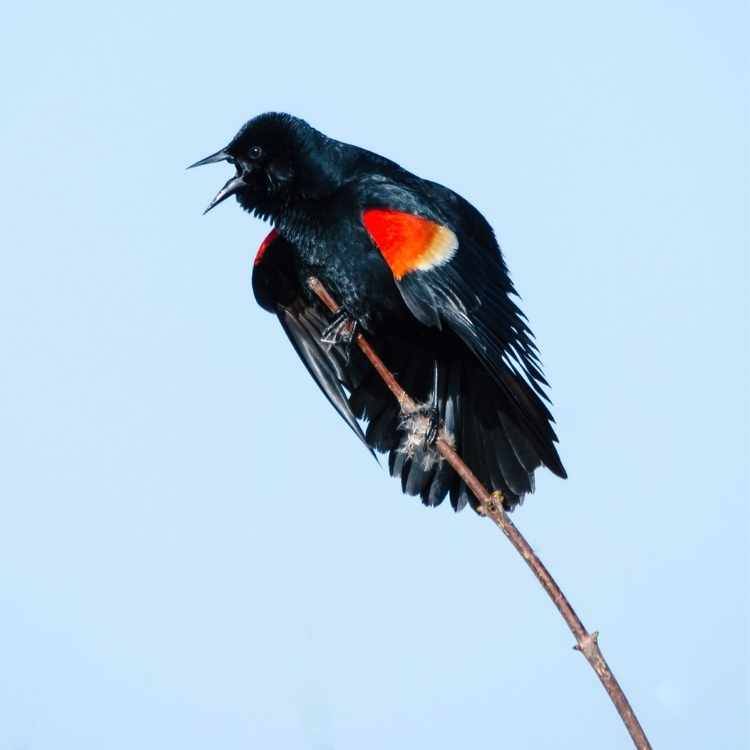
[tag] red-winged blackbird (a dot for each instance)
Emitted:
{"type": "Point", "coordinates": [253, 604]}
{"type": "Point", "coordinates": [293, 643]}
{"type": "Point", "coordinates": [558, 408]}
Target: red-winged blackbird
{"type": "Point", "coordinates": [418, 268]}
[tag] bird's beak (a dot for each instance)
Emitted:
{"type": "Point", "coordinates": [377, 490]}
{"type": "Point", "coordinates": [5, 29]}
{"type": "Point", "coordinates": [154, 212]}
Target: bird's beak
{"type": "Point", "coordinates": [218, 156]}
{"type": "Point", "coordinates": [230, 188]}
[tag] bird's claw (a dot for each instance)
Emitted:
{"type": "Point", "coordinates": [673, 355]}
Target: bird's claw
{"type": "Point", "coordinates": [431, 434]}
{"type": "Point", "coordinates": [341, 330]}
{"type": "Point", "coordinates": [424, 425]}
{"type": "Point", "coordinates": [421, 426]}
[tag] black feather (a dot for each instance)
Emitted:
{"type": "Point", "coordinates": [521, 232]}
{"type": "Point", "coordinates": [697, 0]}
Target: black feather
{"type": "Point", "coordinates": [459, 311]}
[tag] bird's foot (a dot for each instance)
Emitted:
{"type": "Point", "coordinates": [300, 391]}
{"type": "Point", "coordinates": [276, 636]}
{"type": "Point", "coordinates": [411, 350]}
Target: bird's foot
{"type": "Point", "coordinates": [422, 427]}
{"type": "Point", "coordinates": [341, 330]}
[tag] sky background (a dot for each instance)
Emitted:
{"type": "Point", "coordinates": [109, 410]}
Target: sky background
{"type": "Point", "coordinates": [195, 552]}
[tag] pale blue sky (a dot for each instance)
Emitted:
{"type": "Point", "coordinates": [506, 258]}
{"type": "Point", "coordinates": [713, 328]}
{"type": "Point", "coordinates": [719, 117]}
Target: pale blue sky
{"type": "Point", "coordinates": [195, 552]}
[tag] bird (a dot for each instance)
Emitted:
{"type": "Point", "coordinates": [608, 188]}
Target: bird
{"type": "Point", "coordinates": [417, 269]}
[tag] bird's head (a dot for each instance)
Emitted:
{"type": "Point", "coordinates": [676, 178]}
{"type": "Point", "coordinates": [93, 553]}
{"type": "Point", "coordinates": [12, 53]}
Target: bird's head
{"type": "Point", "coordinates": [280, 160]}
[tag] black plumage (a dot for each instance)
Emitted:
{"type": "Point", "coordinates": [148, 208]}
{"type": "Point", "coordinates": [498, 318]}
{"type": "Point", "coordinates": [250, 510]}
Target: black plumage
{"type": "Point", "coordinates": [419, 270]}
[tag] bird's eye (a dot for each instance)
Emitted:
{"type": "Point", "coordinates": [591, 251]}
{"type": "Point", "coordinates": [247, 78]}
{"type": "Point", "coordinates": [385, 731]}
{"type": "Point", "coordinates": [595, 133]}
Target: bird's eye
{"type": "Point", "coordinates": [255, 152]}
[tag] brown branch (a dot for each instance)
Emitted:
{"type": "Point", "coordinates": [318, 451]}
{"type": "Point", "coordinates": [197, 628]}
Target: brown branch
{"type": "Point", "coordinates": [490, 505]}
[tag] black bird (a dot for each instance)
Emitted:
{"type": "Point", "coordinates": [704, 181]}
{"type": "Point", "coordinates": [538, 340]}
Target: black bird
{"type": "Point", "coordinates": [419, 270]}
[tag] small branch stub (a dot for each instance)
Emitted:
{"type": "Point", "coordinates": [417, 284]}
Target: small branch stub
{"type": "Point", "coordinates": [588, 644]}
{"type": "Point", "coordinates": [491, 506]}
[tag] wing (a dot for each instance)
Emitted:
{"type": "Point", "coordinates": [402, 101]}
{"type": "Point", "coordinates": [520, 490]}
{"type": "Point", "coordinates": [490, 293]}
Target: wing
{"type": "Point", "coordinates": [450, 272]}
{"type": "Point", "coordinates": [277, 290]}
{"type": "Point", "coordinates": [304, 327]}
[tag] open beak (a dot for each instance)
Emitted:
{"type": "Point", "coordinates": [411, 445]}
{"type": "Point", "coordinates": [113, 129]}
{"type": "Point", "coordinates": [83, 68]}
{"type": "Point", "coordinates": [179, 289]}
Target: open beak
{"type": "Point", "coordinates": [218, 156]}
{"type": "Point", "coordinates": [231, 187]}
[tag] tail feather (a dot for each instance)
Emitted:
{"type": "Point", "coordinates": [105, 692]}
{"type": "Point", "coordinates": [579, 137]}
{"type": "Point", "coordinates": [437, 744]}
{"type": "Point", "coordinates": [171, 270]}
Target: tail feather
{"type": "Point", "coordinates": [382, 432]}
{"type": "Point", "coordinates": [445, 478]}
{"type": "Point", "coordinates": [507, 467]}
{"type": "Point", "coordinates": [521, 446]}
{"type": "Point", "coordinates": [478, 415]}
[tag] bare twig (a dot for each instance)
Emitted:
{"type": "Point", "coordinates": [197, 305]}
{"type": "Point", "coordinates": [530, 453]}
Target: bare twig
{"type": "Point", "coordinates": [490, 505]}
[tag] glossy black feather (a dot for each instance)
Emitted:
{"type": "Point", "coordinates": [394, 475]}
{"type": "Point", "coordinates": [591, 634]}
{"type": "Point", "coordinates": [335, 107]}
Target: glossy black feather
{"type": "Point", "coordinates": [276, 289]}
{"type": "Point", "coordinates": [460, 314]}
{"type": "Point", "coordinates": [320, 363]}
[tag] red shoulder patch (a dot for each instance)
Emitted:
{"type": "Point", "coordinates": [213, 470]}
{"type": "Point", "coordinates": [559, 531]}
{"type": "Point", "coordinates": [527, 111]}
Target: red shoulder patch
{"type": "Point", "coordinates": [408, 242]}
{"type": "Point", "coordinates": [267, 242]}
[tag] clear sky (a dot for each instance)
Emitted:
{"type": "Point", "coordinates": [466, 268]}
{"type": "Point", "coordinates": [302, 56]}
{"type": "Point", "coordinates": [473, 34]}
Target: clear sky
{"type": "Point", "coordinates": [195, 552]}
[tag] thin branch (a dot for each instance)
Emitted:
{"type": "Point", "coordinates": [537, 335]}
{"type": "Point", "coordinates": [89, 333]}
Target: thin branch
{"type": "Point", "coordinates": [490, 505]}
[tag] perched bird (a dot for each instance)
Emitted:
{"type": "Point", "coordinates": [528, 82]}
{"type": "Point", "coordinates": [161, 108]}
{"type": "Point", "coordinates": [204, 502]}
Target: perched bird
{"type": "Point", "coordinates": [417, 269]}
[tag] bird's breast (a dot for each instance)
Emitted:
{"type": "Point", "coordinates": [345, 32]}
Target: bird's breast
{"type": "Point", "coordinates": [347, 262]}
